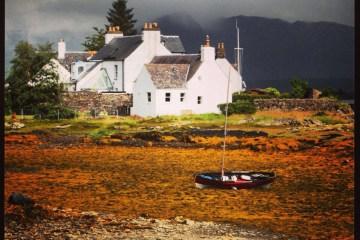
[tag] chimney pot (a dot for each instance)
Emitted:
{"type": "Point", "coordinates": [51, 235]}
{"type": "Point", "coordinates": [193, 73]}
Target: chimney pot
{"type": "Point", "coordinates": [207, 41]}
{"type": "Point", "coordinates": [220, 51]}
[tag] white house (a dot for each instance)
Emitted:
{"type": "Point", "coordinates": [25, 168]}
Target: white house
{"type": "Point", "coordinates": [185, 83]}
{"type": "Point", "coordinates": [116, 66]}
{"type": "Point", "coordinates": [64, 61]}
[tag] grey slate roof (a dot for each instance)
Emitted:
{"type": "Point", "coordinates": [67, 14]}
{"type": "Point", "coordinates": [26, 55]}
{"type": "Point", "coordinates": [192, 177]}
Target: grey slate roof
{"type": "Point", "coordinates": [173, 43]}
{"type": "Point", "coordinates": [71, 57]}
{"type": "Point", "coordinates": [118, 48]}
{"type": "Point", "coordinates": [166, 76]}
{"type": "Point", "coordinates": [191, 59]}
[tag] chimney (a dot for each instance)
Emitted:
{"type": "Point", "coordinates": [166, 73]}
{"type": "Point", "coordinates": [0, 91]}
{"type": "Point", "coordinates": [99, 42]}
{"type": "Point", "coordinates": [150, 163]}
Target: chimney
{"type": "Point", "coordinates": [207, 52]}
{"type": "Point", "coordinates": [61, 49]}
{"type": "Point", "coordinates": [220, 50]}
{"type": "Point", "coordinates": [113, 32]}
{"type": "Point", "coordinates": [151, 38]}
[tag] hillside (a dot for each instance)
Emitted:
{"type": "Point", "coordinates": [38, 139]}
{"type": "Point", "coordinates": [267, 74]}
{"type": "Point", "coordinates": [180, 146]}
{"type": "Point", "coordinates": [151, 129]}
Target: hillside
{"type": "Point", "coordinates": [276, 50]}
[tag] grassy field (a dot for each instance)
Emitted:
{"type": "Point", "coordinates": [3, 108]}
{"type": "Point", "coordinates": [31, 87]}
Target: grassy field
{"type": "Point", "coordinates": [312, 197]}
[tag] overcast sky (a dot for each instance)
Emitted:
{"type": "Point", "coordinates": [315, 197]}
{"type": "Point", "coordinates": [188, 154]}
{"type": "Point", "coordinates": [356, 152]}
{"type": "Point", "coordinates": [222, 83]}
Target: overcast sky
{"type": "Point", "coordinates": [41, 20]}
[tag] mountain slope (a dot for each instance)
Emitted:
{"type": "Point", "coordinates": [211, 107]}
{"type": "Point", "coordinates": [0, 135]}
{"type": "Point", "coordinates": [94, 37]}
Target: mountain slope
{"type": "Point", "coordinates": [276, 50]}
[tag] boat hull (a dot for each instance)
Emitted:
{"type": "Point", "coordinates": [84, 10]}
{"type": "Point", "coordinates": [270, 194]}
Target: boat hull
{"type": "Point", "coordinates": [234, 180]}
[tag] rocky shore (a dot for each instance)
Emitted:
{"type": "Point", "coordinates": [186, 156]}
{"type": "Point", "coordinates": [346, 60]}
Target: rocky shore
{"type": "Point", "coordinates": [54, 223]}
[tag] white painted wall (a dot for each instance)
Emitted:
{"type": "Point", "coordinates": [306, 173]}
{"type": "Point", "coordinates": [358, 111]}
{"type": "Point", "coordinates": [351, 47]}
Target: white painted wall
{"type": "Point", "coordinates": [142, 86]}
{"type": "Point", "coordinates": [115, 79]}
{"type": "Point", "coordinates": [110, 36]}
{"type": "Point", "coordinates": [142, 55]}
{"type": "Point", "coordinates": [235, 78]}
{"type": "Point", "coordinates": [92, 80]}
{"type": "Point", "coordinates": [210, 83]}
{"type": "Point", "coordinates": [64, 74]}
{"type": "Point", "coordinates": [175, 106]}
{"type": "Point", "coordinates": [75, 74]}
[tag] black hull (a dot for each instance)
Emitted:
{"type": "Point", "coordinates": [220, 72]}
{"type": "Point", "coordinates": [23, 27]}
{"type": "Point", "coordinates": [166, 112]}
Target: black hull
{"type": "Point", "coordinates": [234, 179]}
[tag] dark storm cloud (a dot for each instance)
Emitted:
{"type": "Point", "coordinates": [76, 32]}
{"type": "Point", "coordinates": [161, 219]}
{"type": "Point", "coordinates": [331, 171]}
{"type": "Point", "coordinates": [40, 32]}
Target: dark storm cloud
{"type": "Point", "coordinates": [36, 20]}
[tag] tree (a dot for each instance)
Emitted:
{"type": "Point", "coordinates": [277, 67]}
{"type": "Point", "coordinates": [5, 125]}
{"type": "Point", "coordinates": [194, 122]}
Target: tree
{"type": "Point", "coordinates": [32, 79]}
{"type": "Point", "coordinates": [96, 41]}
{"type": "Point", "coordinates": [122, 16]}
{"type": "Point", "coordinates": [299, 88]}
{"type": "Point", "coordinates": [330, 93]}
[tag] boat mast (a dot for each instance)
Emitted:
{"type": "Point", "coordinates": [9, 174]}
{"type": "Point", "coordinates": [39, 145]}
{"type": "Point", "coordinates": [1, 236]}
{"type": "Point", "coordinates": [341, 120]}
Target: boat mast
{"type": "Point", "coordinates": [225, 124]}
{"type": "Point", "coordinates": [238, 49]}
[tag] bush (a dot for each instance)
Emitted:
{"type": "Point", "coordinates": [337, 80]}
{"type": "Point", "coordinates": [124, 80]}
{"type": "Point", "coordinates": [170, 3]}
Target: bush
{"type": "Point", "coordinates": [330, 93]}
{"type": "Point", "coordinates": [243, 96]}
{"type": "Point", "coordinates": [285, 95]}
{"type": "Point", "coordinates": [51, 112]}
{"type": "Point", "coordinates": [273, 92]}
{"type": "Point", "coordinates": [299, 88]}
{"type": "Point", "coordinates": [238, 107]}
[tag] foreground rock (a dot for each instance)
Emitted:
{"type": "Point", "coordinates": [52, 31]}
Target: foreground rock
{"type": "Point", "coordinates": [68, 224]}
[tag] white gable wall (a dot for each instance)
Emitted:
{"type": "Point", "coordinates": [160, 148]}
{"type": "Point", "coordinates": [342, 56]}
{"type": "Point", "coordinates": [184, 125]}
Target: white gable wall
{"type": "Point", "coordinates": [135, 62]}
{"type": "Point", "coordinates": [235, 78]}
{"type": "Point", "coordinates": [141, 105]}
{"type": "Point", "coordinates": [211, 85]}
{"type": "Point", "coordinates": [64, 74]}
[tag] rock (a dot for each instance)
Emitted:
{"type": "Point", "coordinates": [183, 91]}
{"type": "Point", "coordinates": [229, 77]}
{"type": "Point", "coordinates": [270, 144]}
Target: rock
{"type": "Point", "coordinates": [180, 219]}
{"type": "Point", "coordinates": [19, 199]}
{"type": "Point", "coordinates": [17, 125]}
{"type": "Point", "coordinates": [90, 214]}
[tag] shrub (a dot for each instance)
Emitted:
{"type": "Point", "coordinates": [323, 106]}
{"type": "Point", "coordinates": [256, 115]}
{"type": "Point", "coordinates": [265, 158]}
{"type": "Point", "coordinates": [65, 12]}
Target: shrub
{"type": "Point", "coordinates": [238, 107]}
{"type": "Point", "coordinates": [299, 88]}
{"type": "Point", "coordinates": [52, 112]}
{"type": "Point", "coordinates": [273, 92]}
{"type": "Point", "coordinates": [244, 96]}
{"type": "Point", "coordinates": [330, 93]}
{"type": "Point", "coordinates": [285, 95]}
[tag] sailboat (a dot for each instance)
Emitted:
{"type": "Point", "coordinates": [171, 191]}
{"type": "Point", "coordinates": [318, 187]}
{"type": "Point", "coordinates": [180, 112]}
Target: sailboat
{"type": "Point", "coordinates": [233, 179]}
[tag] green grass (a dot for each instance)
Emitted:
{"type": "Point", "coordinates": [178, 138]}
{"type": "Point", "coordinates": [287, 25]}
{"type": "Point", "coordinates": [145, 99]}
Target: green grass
{"type": "Point", "coordinates": [325, 119]}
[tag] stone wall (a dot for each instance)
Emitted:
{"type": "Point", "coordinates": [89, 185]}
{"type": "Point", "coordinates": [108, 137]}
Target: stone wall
{"type": "Point", "coordinates": [302, 105]}
{"type": "Point", "coordinates": [105, 101]}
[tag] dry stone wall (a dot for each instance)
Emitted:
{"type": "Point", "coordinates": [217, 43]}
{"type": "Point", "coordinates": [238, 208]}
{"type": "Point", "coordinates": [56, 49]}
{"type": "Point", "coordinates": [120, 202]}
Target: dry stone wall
{"type": "Point", "coordinates": [302, 105]}
{"type": "Point", "coordinates": [89, 100]}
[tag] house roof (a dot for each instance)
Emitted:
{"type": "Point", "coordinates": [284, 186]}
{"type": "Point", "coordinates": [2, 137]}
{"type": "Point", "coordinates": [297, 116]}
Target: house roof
{"type": "Point", "coordinates": [166, 76]}
{"type": "Point", "coordinates": [173, 43]}
{"type": "Point", "coordinates": [120, 48]}
{"type": "Point", "coordinates": [71, 57]}
{"type": "Point", "coordinates": [191, 59]}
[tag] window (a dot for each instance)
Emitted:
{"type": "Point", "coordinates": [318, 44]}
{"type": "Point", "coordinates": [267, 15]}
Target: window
{"type": "Point", "coordinates": [199, 99]}
{"type": "Point", "coordinates": [182, 96]}
{"type": "Point", "coordinates": [116, 72]}
{"type": "Point", "coordinates": [167, 97]}
{"type": "Point", "coordinates": [80, 70]}
{"type": "Point", "coordinates": [149, 96]}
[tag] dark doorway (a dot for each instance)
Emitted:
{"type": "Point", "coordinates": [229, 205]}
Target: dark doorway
{"type": "Point", "coordinates": [124, 111]}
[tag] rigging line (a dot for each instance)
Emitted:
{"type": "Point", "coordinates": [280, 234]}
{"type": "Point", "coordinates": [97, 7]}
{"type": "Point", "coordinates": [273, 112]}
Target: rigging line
{"type": "Point", "coordinates": [225, 124]}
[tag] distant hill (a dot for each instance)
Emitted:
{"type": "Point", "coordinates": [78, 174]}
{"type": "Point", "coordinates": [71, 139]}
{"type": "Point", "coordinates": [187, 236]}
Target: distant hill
{"type": "Point", "coordinates": [276, 50]}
